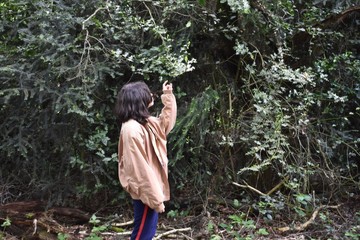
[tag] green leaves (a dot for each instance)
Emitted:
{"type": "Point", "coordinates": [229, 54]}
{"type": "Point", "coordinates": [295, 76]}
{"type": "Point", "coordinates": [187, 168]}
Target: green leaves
{"type": "Point", "coordinates": [160, 53]}
{"type": "Point", "coordinates": [194, 120]}
{"type": "Point", "coordinates": [270, 90]}
{"type": "Point", "coordinates": [62, 64]}
{"type": "Point", "coordinates": [6, 223]}
{"type": "Point", "coordinates": [242, 6]}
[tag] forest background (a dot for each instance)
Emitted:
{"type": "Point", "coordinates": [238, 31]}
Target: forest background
{"type": "Point", "coordinates": [268, 93]}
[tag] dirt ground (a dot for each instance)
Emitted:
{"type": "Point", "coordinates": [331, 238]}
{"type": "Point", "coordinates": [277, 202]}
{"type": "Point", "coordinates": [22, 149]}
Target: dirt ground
{"type": "Point", "coordinates": [29, 220]}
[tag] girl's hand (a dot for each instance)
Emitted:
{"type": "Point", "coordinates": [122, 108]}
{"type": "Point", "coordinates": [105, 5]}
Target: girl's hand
{"type": "Point", "coordinates": [167, 86]}
{"type": "Point", "coordinates": [160, 208]}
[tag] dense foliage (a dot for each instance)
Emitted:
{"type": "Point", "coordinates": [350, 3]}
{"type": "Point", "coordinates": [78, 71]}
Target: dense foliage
{"type": "Point", "coordinates": [268, 95]}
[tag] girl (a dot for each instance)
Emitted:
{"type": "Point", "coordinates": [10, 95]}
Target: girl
{"type": "Point", "coordinates": [143, 162]}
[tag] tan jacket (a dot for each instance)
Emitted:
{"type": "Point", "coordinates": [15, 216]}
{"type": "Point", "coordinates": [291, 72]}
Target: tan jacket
{"type": "Point", "coordinates": [143, 162]}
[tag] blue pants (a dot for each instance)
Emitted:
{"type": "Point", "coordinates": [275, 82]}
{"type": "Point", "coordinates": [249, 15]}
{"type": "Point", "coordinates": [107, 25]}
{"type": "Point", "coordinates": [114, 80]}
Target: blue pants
{"type": "Point", "coordinates": [145, 221]}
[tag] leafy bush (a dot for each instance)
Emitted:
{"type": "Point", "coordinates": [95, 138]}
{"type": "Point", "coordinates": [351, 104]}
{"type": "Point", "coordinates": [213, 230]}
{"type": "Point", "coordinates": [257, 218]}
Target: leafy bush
{"type": "Point", "coordinates": [268, 94]}
{"type": "Point", "coordinates": [62, 64]}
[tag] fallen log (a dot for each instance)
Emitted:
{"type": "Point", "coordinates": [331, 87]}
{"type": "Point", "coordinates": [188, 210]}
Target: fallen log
{"type": "Point", "coordinates": [25, 206]}
{"type": "Point", "coordinates": [32, 208]}
{"type": "Point", "coordinates": [32, 218]}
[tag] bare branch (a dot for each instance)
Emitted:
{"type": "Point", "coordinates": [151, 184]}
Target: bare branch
{"type": "Point", "coordinates": [249, 187]}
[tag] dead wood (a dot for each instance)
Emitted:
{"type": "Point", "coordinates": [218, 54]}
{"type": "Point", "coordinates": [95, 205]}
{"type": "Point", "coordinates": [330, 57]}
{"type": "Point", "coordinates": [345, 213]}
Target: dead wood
{"type": "Point", "coordinates": [123, 224]}
{"type": "Point", "coordinates": [249, 187]}
{"type": "Point", "coordinates": [306, 224]}
{"type": "Point", "coordinates": [127, 233]}
{"type": "Point", "coordinates": [16, 207]}
{"type": "Point", "coordinates": [71, 212]}
{"type": "Point", "coordinates": [37, 207]}
{"type": "Point", "coordinates": [172, 232]}
{"type": "Point", "coordinates": [32, 218]}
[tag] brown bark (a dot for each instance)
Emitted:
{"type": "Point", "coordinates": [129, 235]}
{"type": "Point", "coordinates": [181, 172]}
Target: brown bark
{"type": "Point", "coordinates": [337, 19]}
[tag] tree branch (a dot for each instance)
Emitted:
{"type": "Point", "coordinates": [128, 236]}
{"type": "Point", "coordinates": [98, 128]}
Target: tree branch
{"type": "Point", "coordinates": [249, 187]}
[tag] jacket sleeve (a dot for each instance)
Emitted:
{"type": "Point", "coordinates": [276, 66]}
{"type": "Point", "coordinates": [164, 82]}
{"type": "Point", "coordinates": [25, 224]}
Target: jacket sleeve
{"type": "Point", "coordinates": [169, 111]}
{"type": "Point", "coordinates": [135, 173]}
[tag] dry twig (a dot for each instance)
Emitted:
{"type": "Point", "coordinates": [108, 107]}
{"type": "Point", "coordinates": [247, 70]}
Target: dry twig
{"type": "Point", "coordinates": [123, 224]}
{"type": "Point", "coordinates": [116, 234]}
{"type": "Point", "coordinates": [171, 232]}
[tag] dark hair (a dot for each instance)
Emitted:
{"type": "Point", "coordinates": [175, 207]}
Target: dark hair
{"type": "Point", "coordinates": [132, 102]}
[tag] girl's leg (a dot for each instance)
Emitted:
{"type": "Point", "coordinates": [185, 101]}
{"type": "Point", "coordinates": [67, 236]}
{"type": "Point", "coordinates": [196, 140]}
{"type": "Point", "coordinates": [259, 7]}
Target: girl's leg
{"type": "Point", "coordinates": [145, 221]}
